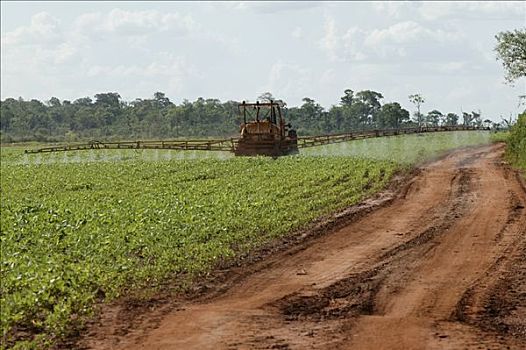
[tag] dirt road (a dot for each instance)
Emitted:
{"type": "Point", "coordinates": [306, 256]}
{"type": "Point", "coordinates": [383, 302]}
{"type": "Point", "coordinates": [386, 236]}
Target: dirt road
{"type": "Point", "coordinates": [440, 266]}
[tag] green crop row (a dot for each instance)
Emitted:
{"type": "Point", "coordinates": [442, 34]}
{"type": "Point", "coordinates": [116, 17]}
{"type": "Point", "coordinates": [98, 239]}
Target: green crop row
{"type": "Point", "coordinates": [72, 233]}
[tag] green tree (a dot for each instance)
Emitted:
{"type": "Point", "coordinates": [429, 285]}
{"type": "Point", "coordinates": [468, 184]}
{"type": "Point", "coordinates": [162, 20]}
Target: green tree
{"type": "Point", "coordinates": [347, 98]}
{"type": "Point", "coordinates": [312, 114]}
{"type": "Point", "coordinates": [54, 102]}
{"type": "Point", "coordinates": [7, 115]}
{"type": "Point", "coordinates": [354, 116]}
{"type": "Point", "coordinates": [266, 97]}
{"type": "Point", "coordinates": [451, 119]}
{"type": "Point", "coordinates": [417, 100]}
{"type": "Point", "coordinates": [511, 50]}
{"type": "Point", "coordinates": [477, 118]}
{"type": "Point", "coordinates": [108, 99]}
{"type": "Point", "coordinates": [335, 116]}
{"type": "Point", "coordinates": [467, 118]}
{"type": "Point", "coordinates": [487, 123]}
{"type": "Point", "coordinates": [434, 117]}
{"type": "Point", "coordinates": [393, 115]}
{"type": "Point", "coordinates": [472, 119]}
{"type": "Point", "coordinates": [83, 101]}
{"type": "Point", "coordinates": [370, 106]}
{"type": "Point", "coordinates": [161, 100]}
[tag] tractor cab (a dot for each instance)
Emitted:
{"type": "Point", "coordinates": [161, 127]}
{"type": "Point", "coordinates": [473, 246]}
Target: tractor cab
{"type": "Point", "coordinates": [264, 132]}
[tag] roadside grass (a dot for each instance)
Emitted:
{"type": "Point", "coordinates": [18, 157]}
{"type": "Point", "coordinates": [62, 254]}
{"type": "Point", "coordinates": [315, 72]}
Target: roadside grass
{"type": "Point", "coordinates": [500, 136]}
{"type": "Point", "coordinates": [516, 141]}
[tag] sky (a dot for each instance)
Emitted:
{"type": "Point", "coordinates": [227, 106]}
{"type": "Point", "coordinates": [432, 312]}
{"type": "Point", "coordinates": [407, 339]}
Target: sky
{"type": "Point", "coordinates": [238, 50]}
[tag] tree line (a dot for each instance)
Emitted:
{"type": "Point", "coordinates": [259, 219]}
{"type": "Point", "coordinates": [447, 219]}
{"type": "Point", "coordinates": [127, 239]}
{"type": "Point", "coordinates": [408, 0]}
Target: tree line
{"type": "Point", "coordinates": [107, 117]}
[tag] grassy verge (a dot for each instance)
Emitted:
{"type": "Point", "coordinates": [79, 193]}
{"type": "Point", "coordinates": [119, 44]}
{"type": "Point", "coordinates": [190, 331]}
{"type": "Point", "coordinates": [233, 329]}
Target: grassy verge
{"type": "Point", "coordinates": [516, 150]}
{"type": "Point", "coordinates": [500, 136]}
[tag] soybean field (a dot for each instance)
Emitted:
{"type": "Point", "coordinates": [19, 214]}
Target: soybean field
{"type": "Point", "coordinates": [88, 227]}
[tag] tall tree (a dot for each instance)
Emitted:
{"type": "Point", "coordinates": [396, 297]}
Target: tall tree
{"type": "Point", "coordinates": [477, 118]}
{"type": "Point", "coordinates": [347, 98]}
{"type": "Point", "coordinates": [511, 50]}
{"type": "Point", "coordinates": [472, 119]}
{"type": "Point", "coordinates": [417, 100]}
{"type": "Point", "coordinates": [108, 99]}
{"type": "Point", "coordinates": [266, 97]}
{"type": "Point", "coordinates": [451, 119]}
{"type": "Point", "coordinates": [54, 102]}
{"type": "Point", "coordinates": [392, 115]}
{"type": "Point", "coordinates": [346, 117]}
{"type": "Point", "coordinates": [370, 105]}
{"type": "Point", "coordinates": [83, 101]}
{"type": "Point", "coordinates": [434, 117]}
{"type": "Point", "coordinates": [161, 100]}
{"type": "Point", "coordinates": [312, 114]}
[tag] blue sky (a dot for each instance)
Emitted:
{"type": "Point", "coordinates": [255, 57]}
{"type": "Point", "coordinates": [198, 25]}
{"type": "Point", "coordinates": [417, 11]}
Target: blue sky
{"type": "Point", "coordinates": [237, 50]}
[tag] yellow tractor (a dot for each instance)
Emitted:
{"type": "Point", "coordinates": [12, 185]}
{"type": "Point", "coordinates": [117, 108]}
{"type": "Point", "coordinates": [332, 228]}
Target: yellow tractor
{"type": "Point", "coordinates": [267, 134]}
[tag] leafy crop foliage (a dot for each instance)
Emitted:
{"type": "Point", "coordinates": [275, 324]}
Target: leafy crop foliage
{"type": "Point", "coordinates": [75, 232]}
{"type": "Point", "coordinates": [82, 227]}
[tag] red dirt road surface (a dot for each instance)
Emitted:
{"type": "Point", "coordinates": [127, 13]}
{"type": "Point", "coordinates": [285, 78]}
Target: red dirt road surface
{"type": "Point", "coordinates": [440, 264]}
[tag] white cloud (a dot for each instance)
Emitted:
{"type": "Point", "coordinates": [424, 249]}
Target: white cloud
{"type": "Point", "coordinates": [451, 67]}
{"type": "Point", "coordinates": [477, 10]}
{"type": "Point", "coordinates": [460, 10]}
{"type": "Point", "coordinates": [331, 42]}
{"type": "Point", "coordinates": [394, 9]}
{"type": "Point", "coordinates": [353, 41]}
{"type": "Point", "coordinates": [287, 79]}
{"type": "Point", "coordinates": [54, 43]}
{"type": "Point", "coordinates": [135, 23]}
{"type": "Point", "coordinates": [37, 47]}
{"type": "Point", "coordinates": [409, 38]}
{"type": "Point", "coordinates": [297, 33]}
{"type": "Point", "coordinates": [165, 67]}
{"type": "Point", "coordinates": [140, 27]}
{"type": "Point", "coordinates": [406, 33]}
{"type": "Point", "coordinates": [271, 7]}
{"type": "Point", "coordinates": [49, 52]}
{"type": "Point", "coordinates": [169, 66]}
{"type": "Point", "coordinates": [43, 28]}
{"type": "Point", "coordinates": [406, 39]}
{"type": "Point", "coordinates": [46, 42]}
{"type": "Point", "coordinates": [328, 76]}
